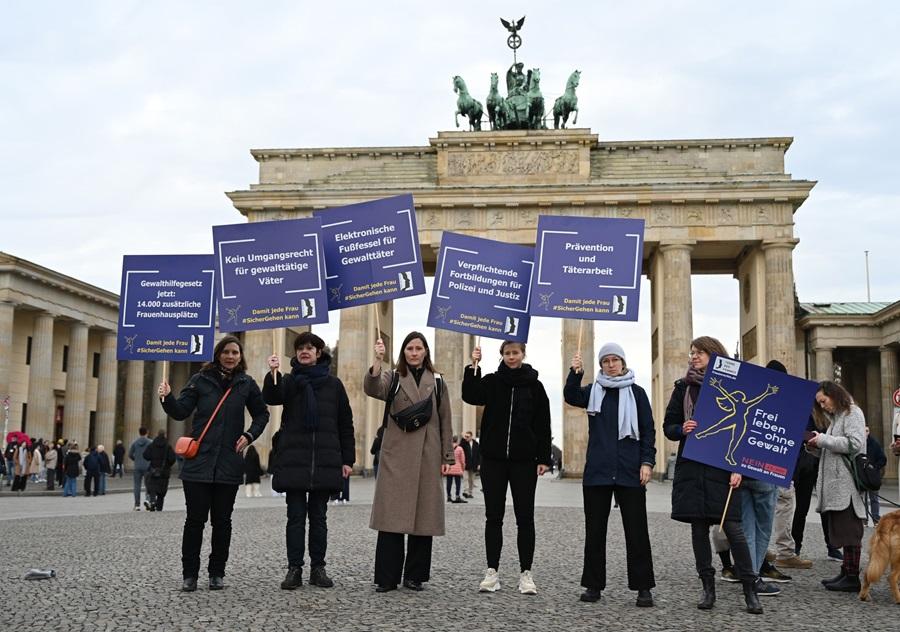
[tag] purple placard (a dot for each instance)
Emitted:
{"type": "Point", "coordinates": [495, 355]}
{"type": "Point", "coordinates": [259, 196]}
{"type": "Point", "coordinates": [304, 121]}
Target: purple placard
{"type": "Point", "coordinates": [371, 252]}
{"type": "Point", "coordinates": [750, 420]}
{"type": "Point", "coordinates": [167, 308]}
{"type": "Point", "coordinates": [588, 267]}
{"type": "Point", "coordinates": [482, 287]}
{"type": "Point", "coordinates": [270, 274]}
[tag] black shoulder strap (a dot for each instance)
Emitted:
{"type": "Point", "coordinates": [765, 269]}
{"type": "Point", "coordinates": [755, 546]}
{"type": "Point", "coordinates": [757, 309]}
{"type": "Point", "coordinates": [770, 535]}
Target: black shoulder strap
{"type": "Point", "coordinates": [438, 388]}
{"type": "Point", "coordinates": [392, 392]}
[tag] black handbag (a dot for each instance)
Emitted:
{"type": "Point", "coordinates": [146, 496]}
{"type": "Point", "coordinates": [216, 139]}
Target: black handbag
{"type": "Point", "coordinates": [866, 476]}
{"type": "Point", "coordinates": [415, 416]}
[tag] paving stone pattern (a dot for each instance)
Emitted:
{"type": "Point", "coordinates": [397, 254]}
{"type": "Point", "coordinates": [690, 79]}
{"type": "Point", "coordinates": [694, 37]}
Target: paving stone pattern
{"type": "Point", "coordinates": [121, 571]}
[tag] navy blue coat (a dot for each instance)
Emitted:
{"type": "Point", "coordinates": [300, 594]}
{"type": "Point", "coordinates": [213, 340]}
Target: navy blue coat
{"type": "Point", "coordinates": [217, 461]}
{"type": "Point", "coordinates": [610, 460]}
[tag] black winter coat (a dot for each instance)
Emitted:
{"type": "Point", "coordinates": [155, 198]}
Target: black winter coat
{"type": "Point", "coordinates": [473, 454]}
{"type": "Point", "coordinates": [303, 460]}
{"type": "Point", "coordinates": [699, 491]}
{"type": "Point", "coordinates": [610, 460]}
{"type": "Point", "coordinates": [252, 469]}
{"type": "Point", "coordinates": [72, 463]}
{"type": "Point", "coordinates": [217, 461]}
{"type": "Point", "coordinates": [523, 436]}
{"type": "Point", "coordinates": [161, 457]}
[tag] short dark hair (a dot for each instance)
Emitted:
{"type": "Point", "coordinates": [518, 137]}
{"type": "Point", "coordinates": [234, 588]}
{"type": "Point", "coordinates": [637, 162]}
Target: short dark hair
{"type": "Point", "coordinates": [506, 343]}
{"type": "Point", "coordinates": [309, 338]}
{"type": "Point", "coordinates": [402, 367]}
{"type": "Point", "coordinates": [142, 431]}
{"type": "Point", "coordinates": [161, 434]}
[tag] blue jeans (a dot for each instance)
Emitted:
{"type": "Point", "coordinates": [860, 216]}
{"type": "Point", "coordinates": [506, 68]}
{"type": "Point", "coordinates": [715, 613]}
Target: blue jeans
{"type": "Point", "coordinates": [10, 468]}
{"type": "Point", "coordinates": [757, 516]}
{"type": "Point", "coordinates": [875, 507]}
{"type": "Point", "coordinates": [138, 481]}
{"type": "Point", "coordinates": [101, 484]}
{"type": "Point", "coordinates": [70, 486]}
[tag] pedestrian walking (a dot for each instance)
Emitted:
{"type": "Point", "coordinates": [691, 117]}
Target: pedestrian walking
{"type": "Point", "coordinates": [454, 474]}
{"type": "Point", "coordinates": [139, 471]}
{"type": "Point", "coordinates": [119, 458]}
{"type": "Point", "coordinates": [472, 450]}
{"type": "Point", "coordinates": [161, 457]}
{"type": "Point", "coordinates": [515, 450]}
{"type": "Point", "coordinates": [415, 451]}
{"type": "Point", "coordinates": [621, 454]}
{"type": "Point", "coordinates": [219, 393]}
{"type": "Point", "coordinates": [313, 452]}
{"type": "Point", "coordinates": [699, 491]}
{"type": "Point", "coordinates": [252, 472]}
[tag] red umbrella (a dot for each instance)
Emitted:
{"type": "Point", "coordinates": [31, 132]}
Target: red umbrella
{"type": "Point", "coordinates": [18, 436]}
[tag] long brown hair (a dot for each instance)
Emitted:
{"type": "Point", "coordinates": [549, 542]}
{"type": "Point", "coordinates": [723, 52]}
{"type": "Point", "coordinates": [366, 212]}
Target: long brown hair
{"type": "Point", "coordinates": [402, 366]}
{"type": "Point", "coordinates": [709, 345]}
{"type": "Point", "coordinates": [838, 395]}
{"type": "Point", "coordinates": [241, 366]}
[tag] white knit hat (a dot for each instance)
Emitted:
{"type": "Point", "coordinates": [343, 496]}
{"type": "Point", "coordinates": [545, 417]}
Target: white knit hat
{"type": "Point", "coordinates": [611, 348]}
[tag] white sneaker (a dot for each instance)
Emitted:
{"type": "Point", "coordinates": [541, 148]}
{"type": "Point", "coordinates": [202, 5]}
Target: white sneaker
{"type": "Point", "coordinates": [491, 581]}
{"type": "Point", "coordinates": [526, 584]}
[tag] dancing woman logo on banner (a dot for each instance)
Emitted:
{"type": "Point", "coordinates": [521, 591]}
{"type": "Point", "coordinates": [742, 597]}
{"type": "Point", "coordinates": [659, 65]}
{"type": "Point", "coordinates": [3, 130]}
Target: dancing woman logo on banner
{"type": "Point", "coordinates": [750, 420]}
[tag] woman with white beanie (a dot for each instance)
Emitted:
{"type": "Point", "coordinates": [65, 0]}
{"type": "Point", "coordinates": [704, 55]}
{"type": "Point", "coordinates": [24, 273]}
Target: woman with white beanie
{"type": "Point", "coordinates": [620, 458]}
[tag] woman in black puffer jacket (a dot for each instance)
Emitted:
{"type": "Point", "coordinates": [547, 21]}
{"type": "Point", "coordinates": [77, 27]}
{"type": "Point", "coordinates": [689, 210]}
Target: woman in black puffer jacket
{"type": "Point", "coordinates": [515, 450]}
{"type": "Point", "coordinates": [312, 452]}
{"type": "Point", "coordinates": [211, 479]}
{"type": "Point", "coordinates": [699, 491]}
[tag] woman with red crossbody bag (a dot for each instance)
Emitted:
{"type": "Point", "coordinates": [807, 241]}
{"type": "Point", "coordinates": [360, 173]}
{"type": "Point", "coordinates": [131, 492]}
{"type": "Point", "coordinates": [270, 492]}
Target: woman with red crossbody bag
{"type": "Point", "coordinates": [217, 396]}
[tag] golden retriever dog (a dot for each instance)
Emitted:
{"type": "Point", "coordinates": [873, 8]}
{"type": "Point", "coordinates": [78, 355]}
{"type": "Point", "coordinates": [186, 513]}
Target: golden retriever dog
{"type": "Point", "coordinates": [884, 549]}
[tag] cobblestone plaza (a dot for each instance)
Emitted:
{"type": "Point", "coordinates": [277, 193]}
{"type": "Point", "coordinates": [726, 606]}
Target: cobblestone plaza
{"type": "Point", "coordinates": [120, 570]}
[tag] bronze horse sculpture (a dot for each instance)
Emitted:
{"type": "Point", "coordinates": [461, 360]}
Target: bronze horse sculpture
{"type": "Point", "coordinates": [567, 103]}
{"type": "Point", "coordinates": [496, 105]}
{"type": "Point", "coordinates": [466, 105]}
{"type": "Point", "coordinates": [535, 101]}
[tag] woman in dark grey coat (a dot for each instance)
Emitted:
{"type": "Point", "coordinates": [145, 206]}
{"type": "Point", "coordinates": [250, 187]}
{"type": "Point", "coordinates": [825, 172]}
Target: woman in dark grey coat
{"type": "Point", "coordinates": [699, 491]}
{"type": "Point", "coordinates": [312, 453]}
{"type": "Point", "coordinates": [211, 479]}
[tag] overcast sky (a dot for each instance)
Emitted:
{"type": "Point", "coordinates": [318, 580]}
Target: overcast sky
{"type": "Point", "coordinates": [123, 123]}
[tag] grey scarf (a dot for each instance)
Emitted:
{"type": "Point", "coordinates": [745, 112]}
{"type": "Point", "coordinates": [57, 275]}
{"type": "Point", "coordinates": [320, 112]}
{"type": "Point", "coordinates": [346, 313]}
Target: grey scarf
{"type": "Point", "coordinates": [628, 417]}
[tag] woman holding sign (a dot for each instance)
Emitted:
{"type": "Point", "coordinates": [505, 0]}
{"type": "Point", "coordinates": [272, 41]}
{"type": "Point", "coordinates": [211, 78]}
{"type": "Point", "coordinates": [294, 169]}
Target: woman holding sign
{"type": "Point", "coordinates": [841, 431]}
{"type": "Point", "coordinates": [700, 492]}
{"type": "Point", "coordinates": [515, 450]}
{"type": "Point", "coordinates": [621, 454]}
{"type": "Point", "coordinates": [218, 394]}
{"type": "Point", "coordinates": [416, 451]}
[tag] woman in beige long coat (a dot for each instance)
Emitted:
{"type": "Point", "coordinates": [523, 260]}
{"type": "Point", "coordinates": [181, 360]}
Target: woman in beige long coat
{"type": "Point", "coordinates": [408, 497]}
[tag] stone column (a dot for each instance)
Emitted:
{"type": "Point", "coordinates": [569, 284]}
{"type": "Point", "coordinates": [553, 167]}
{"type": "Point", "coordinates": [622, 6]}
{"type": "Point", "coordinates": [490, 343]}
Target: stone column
{"type": "Point", "coordinates": [780, 334]}
{"type": "Point", "coordinates": [470, 413]}
{"type": "Point", "coordinates": [158, 417]}
{"type": "Point", "coordinates": [134, 399]}
{"type": "Point", "coordinates": [890, 380]}
{"type": "Point", "coordinates": [106, 391]}
{"type": "Point", "coordinates": [76, 420]}
{"type": "Point", "coordinates": [449, 346]}
{"type": "Point", "coordinates": [40, 388]}
{"type": "Point", "coordinates": [575, 427]}
{"type": "Point", "coordinates": [824, 363]}
{"type": "Point", "coordinates": [7, 315]}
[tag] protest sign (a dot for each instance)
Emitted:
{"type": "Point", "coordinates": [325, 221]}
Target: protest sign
{"type": "Point", "coordinates": [371, 252]}
{"type": "Point", "coordinates": [166, 308]}
{"type": "Point", "coordinates": [270, 274]}
{"type": "Point", "coordinates": [482, 287]}
{"type": "Point", "coordinates": [588, 267]}
{"type": "Point", "coordinates": [750, 420]}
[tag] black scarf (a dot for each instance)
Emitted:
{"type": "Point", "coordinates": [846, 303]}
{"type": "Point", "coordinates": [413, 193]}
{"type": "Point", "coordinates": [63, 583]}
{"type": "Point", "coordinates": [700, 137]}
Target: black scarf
{"type": "Point", "coordinates": [519, 382]}
{"type": "Point", "coordinates": [417, 372]}
{"type": "Point", "coordinates": [694, 379]}
{"type": "Point", "coordinates": [310, 378]}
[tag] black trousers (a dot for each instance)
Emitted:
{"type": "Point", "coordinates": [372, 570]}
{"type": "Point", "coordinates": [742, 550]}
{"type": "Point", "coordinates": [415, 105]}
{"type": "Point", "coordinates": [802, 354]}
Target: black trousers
{"type": "Point", "coordinates": [202, 500]}
{"type": "Point", "coordinates": [803, 491]}
{"type": "Point", "coordinates": [521, 478]}
{"type": "Point", "coordinates": [737, 541]}
{"type": "Point", "coordinates": [450, 480]}
{"type": "Point", "coordinates": [19, 483]}
{"type": "Point", "coordinates": [633, 506]}
{"type": "Point", "coordinates": [389, 558]}
{"type": "Point", "coordinates": [300, 505]}
{"type": "Point", "coordinates": [91, 482]}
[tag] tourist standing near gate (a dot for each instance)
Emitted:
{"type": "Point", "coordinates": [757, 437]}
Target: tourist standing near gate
{"type": "Point", "coordinates": [141, 466]}
{"type": "Point", "coordinates": [312, 453]}
{"type": "Point", "coordinates": [841, 430]}
{"type": "Point", "coordinates": [515, 450]}
{"type": "Point", "coordinates": [416, 451]}
{"type": "Point", "coordinates": [219, 392]}
{"type": "Point", "coordinates": [620, 457]}
{"type": "Point", "coordinates": [699, 491]}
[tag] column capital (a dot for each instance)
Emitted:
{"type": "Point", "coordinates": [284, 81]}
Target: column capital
{"type": "Point", "coordinates": [819, 348]}
{"type": "Point", "coordinates": [889, 348]}
{"type": "Point", "coordinates": [768, 244]}
{"type": "Point", "coordinates": [674, 246]}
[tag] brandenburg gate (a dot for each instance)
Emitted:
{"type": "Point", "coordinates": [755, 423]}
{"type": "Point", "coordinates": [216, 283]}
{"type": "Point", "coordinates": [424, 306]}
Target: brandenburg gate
{"type": "Point", "coordinates": [711, 206]}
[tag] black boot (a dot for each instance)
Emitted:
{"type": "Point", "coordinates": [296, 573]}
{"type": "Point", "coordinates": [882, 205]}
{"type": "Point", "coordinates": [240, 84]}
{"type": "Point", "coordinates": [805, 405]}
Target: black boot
{"type": "Point", "coordinates": [293, 579]}
{"type": "Point", "coordinates": [709, 593]}
{"type": "Point", "coordinates": [751, 599]}
{"type": "Point", "coordinates": [848, 583]}
{"type": "Point", "coordinates": [835, 579]}
{"type": "Point", "coordinates": [317, 577]}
